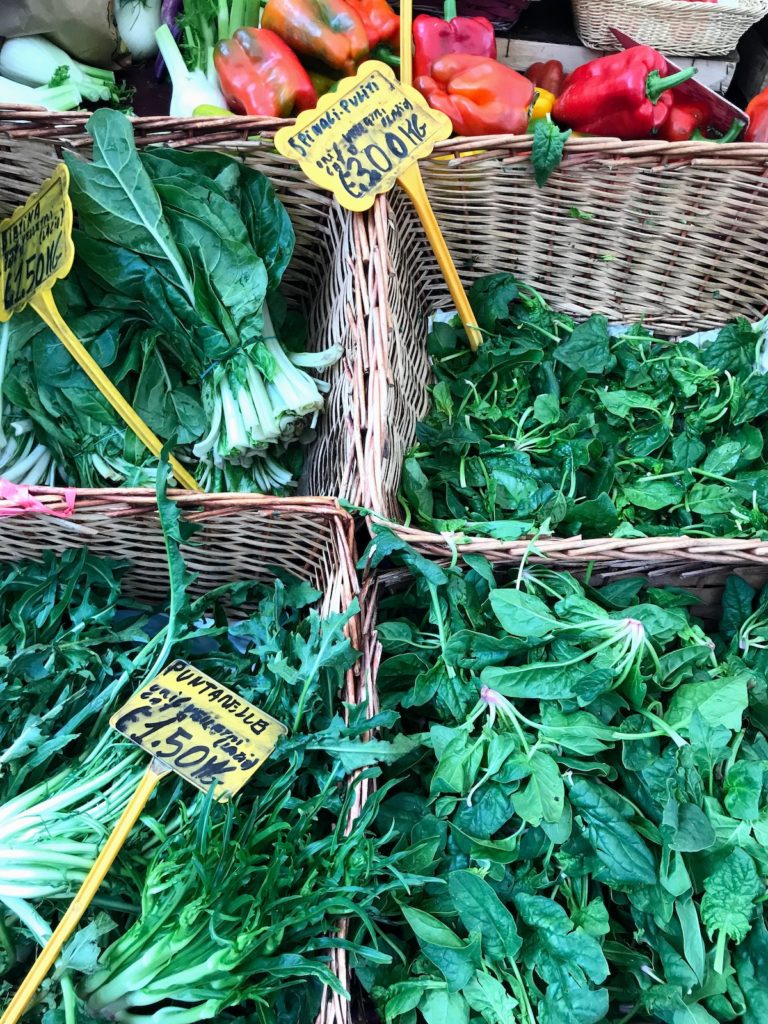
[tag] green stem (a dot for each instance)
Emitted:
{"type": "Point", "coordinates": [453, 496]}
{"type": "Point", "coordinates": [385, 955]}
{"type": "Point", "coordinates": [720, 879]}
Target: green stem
{"type": "Point", "coordinates": [69, 998]}
{"type": "Point", "coordinates": [730, 136]}
{"type": "Point", "coordinates": [384, 54]}
{"type": "Point", "coordinates": [656, 85]}
{"type": "Point", "coordinates": [449, 9]}
{"type": "Point", "coordinates": [720, 951]}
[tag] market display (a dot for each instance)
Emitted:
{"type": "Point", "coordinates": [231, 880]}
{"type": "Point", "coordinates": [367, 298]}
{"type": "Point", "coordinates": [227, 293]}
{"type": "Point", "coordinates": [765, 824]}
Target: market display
{"type": "Point", "coordinates": [492, 788]}
{"type": "Point", "coordinates": [585, 797]}
{"type": "Point", "coordinates": [179, 258]}
{"type": "Point", "coordinates": [202, 911]}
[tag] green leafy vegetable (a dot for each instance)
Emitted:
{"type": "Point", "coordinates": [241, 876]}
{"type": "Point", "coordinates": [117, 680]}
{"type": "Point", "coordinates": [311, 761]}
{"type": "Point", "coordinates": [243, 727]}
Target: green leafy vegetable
{"type": "Point", "coordinates": [548, 146]}
{"type": "Point", "coordinates": [174, 293]}
{"type": "Point", "coordinates": [582, 429]}
{"type": "Point", "coordinates": [583, 794]}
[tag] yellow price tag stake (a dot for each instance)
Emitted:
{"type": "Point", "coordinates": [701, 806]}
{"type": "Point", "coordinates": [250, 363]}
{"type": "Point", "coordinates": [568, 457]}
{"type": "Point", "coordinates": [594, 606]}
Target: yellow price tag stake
{"type": "Point", "coordinates": [362, 139]}
{"type": "Point", "coordinates": [199, 728]}
{"type": "Point", "coordinates": [36, 244]}
{"type": "Point", "coordinates": [191, 725]}
{"type": "Point", "coordinates": [36, 250]}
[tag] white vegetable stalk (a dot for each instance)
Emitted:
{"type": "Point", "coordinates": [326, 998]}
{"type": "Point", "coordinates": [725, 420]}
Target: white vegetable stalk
{"type": "Point", "coordinates": [33, 60]}
{"type": "Point", "coordinates": [190, 89]}
{"type": "Point", "coordinates": [137, 21]}
{"type": "Point", "coordinates": [51, 834]}
{"type": "Point", "coordinates": [250, 413]}
{"type": "Point", "coordinates": [59, 97]}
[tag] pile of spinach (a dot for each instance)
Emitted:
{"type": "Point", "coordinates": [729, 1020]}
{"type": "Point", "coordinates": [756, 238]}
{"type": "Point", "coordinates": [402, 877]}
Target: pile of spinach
{"type": "Point", "coordinates": [209, 912]}
{"type": "Point", "coordinates": [174, 292]}
{"type": "Point", "coordinates": [588, 797]}
{"type": "Point", "coordinates": [582, 429]}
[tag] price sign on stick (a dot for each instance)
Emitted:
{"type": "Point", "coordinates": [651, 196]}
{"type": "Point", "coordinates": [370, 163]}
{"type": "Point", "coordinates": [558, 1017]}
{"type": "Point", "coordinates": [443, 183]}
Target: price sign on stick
{"type": "Point", "coordinates": [191, 725]}
{"type": "Point", "coordinates": [36, 251]}
{"type": "Point", "coordinates": [362, 139]}
{"type": "Point", "coordinates": [199, 728]}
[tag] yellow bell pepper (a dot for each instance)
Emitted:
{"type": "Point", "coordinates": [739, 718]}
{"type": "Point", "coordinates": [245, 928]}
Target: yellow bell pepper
{"type": "Point", "coordinates": [210, 110]}
{"type": "Point", "coordinates": [543, 102]}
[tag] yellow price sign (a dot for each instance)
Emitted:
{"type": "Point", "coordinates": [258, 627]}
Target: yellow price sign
{"type": "Point", "coordinates": [365, 137]}
{"type": "Point", "coordinates": [36, 251]}
{"type": "Point", "coordinates": [200, 729]}
{"type": "Point", "coordinates": [360, 139]}
{"type": "Point", "coordinates": [36, 244]}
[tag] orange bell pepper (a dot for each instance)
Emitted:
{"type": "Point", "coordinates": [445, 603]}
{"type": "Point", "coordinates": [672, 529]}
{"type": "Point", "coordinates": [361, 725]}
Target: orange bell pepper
{"type": "Point", "coordinates": [329, 30]}
{"type": "Point", "coordinates": [382, 24]}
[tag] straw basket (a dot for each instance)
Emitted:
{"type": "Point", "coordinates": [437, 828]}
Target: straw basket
{"type": "Point", "coordinates": [683, 228]}
{"type": "Point", "coordinates": [243, 537]}
{"type": "Point", "coordinates": [677, 28]}
{"type": "Point", "coordinates": [321, 280]}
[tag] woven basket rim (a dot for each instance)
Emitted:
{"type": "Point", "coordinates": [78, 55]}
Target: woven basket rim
{"type": "Point", "coordinates": [697, 7]}
{"type": "Point", "coordinates": [19, 121]}
{"type": "Point", "coordinates": [679, 548]}
{"type": "Point", "coordinates": [36, 123]}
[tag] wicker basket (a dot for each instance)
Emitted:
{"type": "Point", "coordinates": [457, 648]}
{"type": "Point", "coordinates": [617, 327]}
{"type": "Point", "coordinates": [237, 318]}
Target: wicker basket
{"type": "Point", "coordinates": [322, 278]}
{"type": "Point", "coordinates": [243, 537]}
{"type": "Point", "coordinates": [676, 27]}
{"type": "Point", "coordinates": [685, 225]}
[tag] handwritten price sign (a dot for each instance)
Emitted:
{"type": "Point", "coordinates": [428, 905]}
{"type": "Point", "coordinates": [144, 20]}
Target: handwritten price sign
{"type": "Point", "coordinates": [359, 140]}
{"type": "Point", "coordinates": [36, 244]}
{"type": "Point", "coordinates": [199, 728]}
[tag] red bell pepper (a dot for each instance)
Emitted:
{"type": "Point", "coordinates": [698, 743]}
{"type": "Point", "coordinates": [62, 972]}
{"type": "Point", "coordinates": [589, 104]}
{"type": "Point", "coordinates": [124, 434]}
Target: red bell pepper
{"type": "Point", "coordinates": [689, 120]}
{"type": "Point", "coordinates": [624, 95]}
{"type": "Point", "coordinates": [480, 95]}
{"type": "Point", "coordinates": [757, 111]}
{"type": "Point", "coordinates": [685, 117]}
{"type": "Point", "coordinates": [382, 25]}
{"type": "Point", "coordinates": [260, 74]}
{"type": "Point", "coordinates": [436, 37]}
{"type": "Point", "coordinates": [548, 75]}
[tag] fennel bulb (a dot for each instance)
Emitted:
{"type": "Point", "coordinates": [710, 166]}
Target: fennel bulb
{"type": "Point", "coordinates": [33, 60]}
{"type": "Point", "coordinates": [190, 89]}
{"type": "Point", "coordinates": [60, 97]}
{"type": "Point", "coordinates": [137, 21]}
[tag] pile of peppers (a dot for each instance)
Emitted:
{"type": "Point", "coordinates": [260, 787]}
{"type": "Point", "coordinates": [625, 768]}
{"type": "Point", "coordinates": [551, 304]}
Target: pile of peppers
{"type": "Point", "coordinates": [625, 95]}
{"type": "Point", "coordinates": [302, 49]}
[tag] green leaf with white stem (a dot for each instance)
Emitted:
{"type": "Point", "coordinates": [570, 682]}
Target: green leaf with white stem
{"type": "Point", "coordinates": [728, 905]}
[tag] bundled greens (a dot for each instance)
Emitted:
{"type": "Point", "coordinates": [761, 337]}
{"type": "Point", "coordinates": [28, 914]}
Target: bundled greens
{"type": "Point", "coordinates": [584, 429]}
{"type": "Point", "coordinates": [588, 798]}
{"type": "Point", "coordinates": [209, 912]}
{"type": "Point", "coordinates": [174, 292]}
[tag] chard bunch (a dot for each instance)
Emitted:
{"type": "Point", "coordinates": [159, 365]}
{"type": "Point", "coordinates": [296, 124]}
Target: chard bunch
{"type": "Point", "coordinates": [175, 293]}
